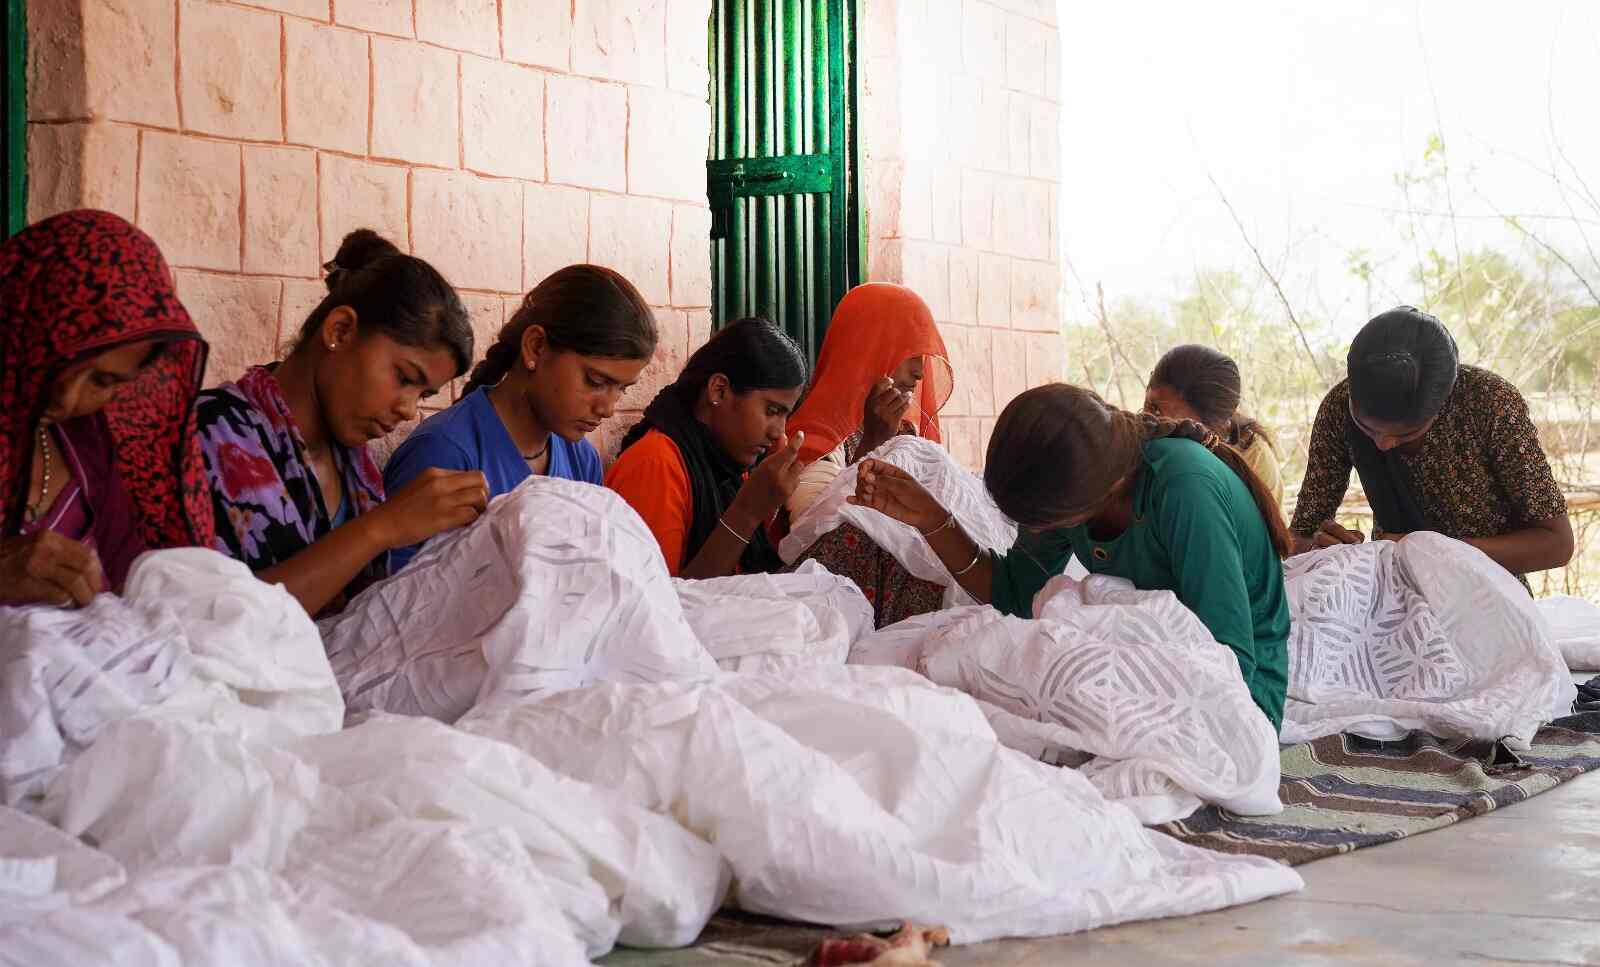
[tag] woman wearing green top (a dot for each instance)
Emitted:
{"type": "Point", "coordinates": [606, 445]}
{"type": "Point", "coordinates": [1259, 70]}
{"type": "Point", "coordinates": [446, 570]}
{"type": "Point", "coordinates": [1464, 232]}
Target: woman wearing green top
{"type": "Point", "coordinates": [1166, 505]}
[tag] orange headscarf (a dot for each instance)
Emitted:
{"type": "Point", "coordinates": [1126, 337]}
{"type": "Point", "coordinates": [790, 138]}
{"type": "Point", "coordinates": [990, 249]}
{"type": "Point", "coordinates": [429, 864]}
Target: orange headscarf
{"type": "Point", "coordinates": [876, 328]}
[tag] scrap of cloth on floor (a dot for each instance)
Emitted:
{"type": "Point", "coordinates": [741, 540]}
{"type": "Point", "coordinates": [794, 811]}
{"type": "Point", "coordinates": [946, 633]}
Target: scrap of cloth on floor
{"type": "Point", "coordinates": [1343, 792]}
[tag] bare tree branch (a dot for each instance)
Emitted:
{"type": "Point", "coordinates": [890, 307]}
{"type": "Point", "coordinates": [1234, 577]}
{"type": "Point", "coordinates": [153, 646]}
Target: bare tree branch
{"type": "Point", "coordinates": [1283, 298]}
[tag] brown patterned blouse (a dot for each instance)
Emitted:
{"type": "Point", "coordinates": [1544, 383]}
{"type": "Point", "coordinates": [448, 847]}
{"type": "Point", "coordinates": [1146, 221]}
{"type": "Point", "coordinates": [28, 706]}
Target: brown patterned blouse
{"type": "Point", "coordinates": [1480, 471]}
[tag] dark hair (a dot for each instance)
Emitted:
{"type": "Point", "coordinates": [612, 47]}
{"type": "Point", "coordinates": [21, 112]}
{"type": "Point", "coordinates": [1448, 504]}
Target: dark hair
{"type": "Point", "coordinates": [586, 309]}
{"type": "Point", "coordinates": [1057, 451]}
{"type": "Point", "coordinates": [753, 353]}
{"type": "Point", "coordinates": [1402, 367]}
{"type": "Point", "coordinates": [1209, 382]}
{"type": "Point", "coordinates": [399, 295]}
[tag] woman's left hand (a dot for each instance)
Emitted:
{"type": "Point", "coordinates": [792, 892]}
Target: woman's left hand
{"type": "Point", "coordinates": [894, 493]}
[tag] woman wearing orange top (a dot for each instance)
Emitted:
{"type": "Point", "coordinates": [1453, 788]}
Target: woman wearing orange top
{"type": "Point", "coordinates": [693, 467]}
{"type": "Point", "coordinates": [883, 371]}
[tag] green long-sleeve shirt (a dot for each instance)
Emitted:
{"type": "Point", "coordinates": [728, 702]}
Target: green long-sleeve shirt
{"type": "Point", "coordinates": [1197, 533]}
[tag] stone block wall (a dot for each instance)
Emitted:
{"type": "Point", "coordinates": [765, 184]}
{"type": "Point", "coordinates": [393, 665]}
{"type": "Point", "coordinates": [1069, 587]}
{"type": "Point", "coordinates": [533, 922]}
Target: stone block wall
{"type": "Point", "coordinates": [499, 139]}
{"type": "Point", "coordinates": [960, 133]}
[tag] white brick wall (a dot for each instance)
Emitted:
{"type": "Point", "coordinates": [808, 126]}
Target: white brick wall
{"type": "Point", "coordinates": [500, 139]}
{"type": "Point", "coordinates": [961, 142]}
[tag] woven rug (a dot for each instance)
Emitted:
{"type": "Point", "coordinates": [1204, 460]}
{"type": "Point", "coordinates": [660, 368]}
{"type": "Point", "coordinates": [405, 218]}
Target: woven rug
{"type": "Point", "coordinates": [1341, 792]}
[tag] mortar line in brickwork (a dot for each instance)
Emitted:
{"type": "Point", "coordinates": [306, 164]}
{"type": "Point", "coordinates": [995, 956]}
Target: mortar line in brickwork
{"type": "Point", "coordinates": [283, 76]}
{"type": "Point", "coordinates": [244, 193]}
{"type": "Point", "coordinates": [461, 115]}
{"type": "Point", "coordinates": [138, 170]}
{"type": "Point", "coordinates": [371, 93]}
{"type": "Point", "coordinates": [627, 138]}
{"type": "Point", "coordinates": [317, 177]}
{"type": "Point", "coordinates": [411, 246]}
{"type": "Point", "coordinates": [177, 57]}
{"type": "Point", "coordinates": [500, 26]}
{"type": "Point", "coordinates": [522, 239]}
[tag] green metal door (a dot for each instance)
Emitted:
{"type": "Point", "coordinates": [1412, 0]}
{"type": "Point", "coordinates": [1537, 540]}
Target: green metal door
{"type": "Point", "coordinates": [786, 233]}
{"type": "Point", "coordinates": [14, 133]}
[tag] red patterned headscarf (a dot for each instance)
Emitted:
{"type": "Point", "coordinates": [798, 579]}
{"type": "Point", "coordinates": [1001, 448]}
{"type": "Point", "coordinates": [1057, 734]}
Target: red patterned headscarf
{"type": "Point", "coordinates": [72, 287]}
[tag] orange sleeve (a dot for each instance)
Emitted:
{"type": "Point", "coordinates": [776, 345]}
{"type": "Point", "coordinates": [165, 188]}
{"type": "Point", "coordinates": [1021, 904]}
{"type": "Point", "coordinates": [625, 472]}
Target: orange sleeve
{"type": "Point", "coordinates": [652, 477]}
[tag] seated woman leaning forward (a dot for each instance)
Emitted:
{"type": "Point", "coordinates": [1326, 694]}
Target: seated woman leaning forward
{"type": "Point", "coordinates": [1166, 505]}
{"type": "Point", "coordinates": [1198, 383]}
{"type": "Point", "coordinates": [580, 338]}
{"type": "Point", "coordinates": [1438, 446]}
{"type": "Point", "coordinates": [100, 365]}
{"type": "Point", "coordinates": [298, 498]}
{"type": "Point", "coordinates": [883, 371]}
{"type": "Point", "coordinates": [687, 466]}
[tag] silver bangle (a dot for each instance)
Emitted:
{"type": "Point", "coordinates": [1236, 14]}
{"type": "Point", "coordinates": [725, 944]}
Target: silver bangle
{"type": "Point", "coordinates": [743, 540]}
{"type": "Point", "coordinates": [949, 520]}
{"type": "Point", "coordinates": [975, 559]}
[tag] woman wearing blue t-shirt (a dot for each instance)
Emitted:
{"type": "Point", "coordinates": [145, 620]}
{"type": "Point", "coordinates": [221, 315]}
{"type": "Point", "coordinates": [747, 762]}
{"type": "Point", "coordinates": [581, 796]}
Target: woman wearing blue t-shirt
{"type": "Point", "coordinates": [557, 369]}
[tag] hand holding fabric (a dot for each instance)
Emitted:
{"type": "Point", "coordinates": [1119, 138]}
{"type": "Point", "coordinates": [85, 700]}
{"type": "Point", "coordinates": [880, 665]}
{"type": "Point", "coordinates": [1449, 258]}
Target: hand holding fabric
{"type": "Point", "coordinates": [894, 493]}
{"type": "Point", "coordinates": [435, 500]}
{"type": "Point", "coordinates": [772, 481]}
{"type": "Point", "coordinates": [1332, 534]}
{"type": "Point", "coordinates": [46, 568]}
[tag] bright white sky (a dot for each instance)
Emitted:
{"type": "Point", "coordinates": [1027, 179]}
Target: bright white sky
{"type": "Point", "coordinates": [1304, 112]}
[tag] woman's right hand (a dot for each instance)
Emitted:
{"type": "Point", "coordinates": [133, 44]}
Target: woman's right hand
{"type": "Point", "coordinates": [47, 568]}
{"type": "Point", "coordinates": [890, 491]}
{"type": "Point", "coordinates": [1332, 534]}
{"type": "Point", "coordinates": [435, 500]}
{"type": "Point", "coordinates": [767, 488]}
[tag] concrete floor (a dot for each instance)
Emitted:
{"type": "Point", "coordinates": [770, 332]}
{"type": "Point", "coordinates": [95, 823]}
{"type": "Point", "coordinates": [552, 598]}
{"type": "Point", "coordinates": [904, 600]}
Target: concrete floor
{"type": "Point", "coordinates": [1520, 885]}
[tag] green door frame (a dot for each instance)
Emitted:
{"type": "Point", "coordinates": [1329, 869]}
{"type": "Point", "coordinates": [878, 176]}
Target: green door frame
{"type": "Point", "coordinates": [14, 133]}
{"type": "Point", "coordinates": [787, 237]}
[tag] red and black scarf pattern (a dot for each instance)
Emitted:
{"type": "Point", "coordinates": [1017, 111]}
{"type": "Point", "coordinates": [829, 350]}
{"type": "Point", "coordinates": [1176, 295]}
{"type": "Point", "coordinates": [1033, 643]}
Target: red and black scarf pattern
{"type": "Point", "coordinates": [77, 285]}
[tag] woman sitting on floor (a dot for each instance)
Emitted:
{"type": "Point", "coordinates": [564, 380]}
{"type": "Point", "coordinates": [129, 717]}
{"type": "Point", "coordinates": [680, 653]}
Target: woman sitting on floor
{"type": "Point", "coordinates": [298, 498]}
{"type": "Point", "coordinates": [1198, 383]}
{"type": "Point", "coordinates": [100, 364]}
{"type": "Point", "coordinates": [1166, 505]}
{"type": "Point", "coordinates": [1438, 446]}
{"type": "Point", "coordinates": [690, 467]}
{"type": "Point", "coordinates": [580, 338]}
{"type": "Point", "coordinates": [883, 371]}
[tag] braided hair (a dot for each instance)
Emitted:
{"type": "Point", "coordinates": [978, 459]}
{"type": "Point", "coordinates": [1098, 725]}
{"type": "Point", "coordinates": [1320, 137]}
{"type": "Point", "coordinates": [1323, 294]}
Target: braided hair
{"type": "Point", "coordinates": [586, 309]}
{"type": "Point", "coordinates": [1209, 382]}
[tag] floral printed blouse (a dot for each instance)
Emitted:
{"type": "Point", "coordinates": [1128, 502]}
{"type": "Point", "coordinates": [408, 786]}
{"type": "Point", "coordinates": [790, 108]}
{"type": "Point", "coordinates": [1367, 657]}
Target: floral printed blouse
{"type": "Point", "coordinates": [1480, 471]}
{"type": "Point", "coordinates": [268, 504]}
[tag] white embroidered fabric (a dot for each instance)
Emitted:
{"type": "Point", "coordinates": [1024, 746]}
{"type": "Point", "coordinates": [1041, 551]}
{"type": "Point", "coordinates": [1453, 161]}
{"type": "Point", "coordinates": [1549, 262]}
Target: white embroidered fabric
{"type": "Point", "coordinates": [854, 795]}
{"type": "Point", "coordinates": [188, 732]}
{"type": "Point", "coordinates": [771, 622]}
{"type": "Point", "coordinates": [566, 566]}
{"type": "Point", "coordinates": [1575, 626]}
{"type": "Point", "coordinates": [194, 636]}
{"type": "Point", "coordinates": [229, 823]}
{"type": "Point", "coordinates": [1131, 678]}
{"type": "Point", "coordinates": [957, 490]}
{"type": "Point", "coordinates": [1428, 634]}
{"type": "Point", "coordinates": [1425, 634]}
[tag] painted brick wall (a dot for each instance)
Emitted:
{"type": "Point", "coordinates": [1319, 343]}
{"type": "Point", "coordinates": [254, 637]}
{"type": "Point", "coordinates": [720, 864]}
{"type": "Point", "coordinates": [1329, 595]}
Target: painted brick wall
{"type": "Point", "coordinates": [960, 126]}
{"type": "Point", "coordinates": [499, 139]}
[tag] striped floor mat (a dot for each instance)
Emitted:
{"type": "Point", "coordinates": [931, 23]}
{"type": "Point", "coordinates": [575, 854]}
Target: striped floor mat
{"type": "Point", "coordinates": [1341, 792]}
